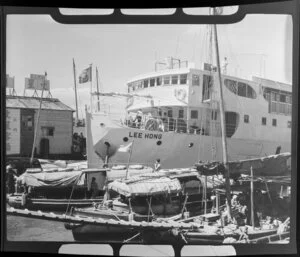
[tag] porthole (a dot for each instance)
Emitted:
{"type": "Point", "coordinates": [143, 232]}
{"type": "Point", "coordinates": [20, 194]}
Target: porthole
{"type": "Point", "coordinates": [101, 124]}
{"type": "Point", "coordinates": [158, 142]}
{"type": "Point", "coordinates": [191, 145]}
{"type": "Point", "coordinates": [125, 139]}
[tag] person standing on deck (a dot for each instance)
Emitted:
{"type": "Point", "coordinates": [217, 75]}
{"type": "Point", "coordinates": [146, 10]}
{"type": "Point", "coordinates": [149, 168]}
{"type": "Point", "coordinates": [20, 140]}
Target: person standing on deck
{"type": "Point", "coordinates": [157, 165]}
{"type": "Point", "coordinates": [224, 66]}
{"type": "Point", "coordinates": [138, 119]}
{"type": "Point", "coordinates": [11, 178]}
{"type": "Point", "coordinates": [94, 187]}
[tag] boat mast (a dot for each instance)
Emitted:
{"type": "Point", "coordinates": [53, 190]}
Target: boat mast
{"type": "Point", "coordinates": [75, 87]}
{"type": "Point", "coordinates": [222, 117]}
{"type": "Point", "coordinates": [98, 96]}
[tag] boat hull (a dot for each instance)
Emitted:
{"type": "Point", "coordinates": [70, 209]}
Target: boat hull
{"type": "Point", "coordinates": [49, 204]}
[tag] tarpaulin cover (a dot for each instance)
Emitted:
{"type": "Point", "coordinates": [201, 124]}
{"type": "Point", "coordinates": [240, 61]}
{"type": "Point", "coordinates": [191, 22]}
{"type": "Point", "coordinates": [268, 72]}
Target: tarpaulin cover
{"type": "Point", "coordinates": [211, 168]}
{"type": "Point", "coordinates": [152, 186]}
{"type": "Point", "coordinates": [272, 165]}
{"type": "Point", "coordinates": [51, 179]}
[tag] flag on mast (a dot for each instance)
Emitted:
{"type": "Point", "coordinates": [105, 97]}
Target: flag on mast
{"type": "Point", "coordinates": [85, 75]}
{"type": "Point", "coordinates": [125, 148]}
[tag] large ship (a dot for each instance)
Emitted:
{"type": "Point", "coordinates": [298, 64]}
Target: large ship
{"type": "Point", "coordinates": [173, 115]}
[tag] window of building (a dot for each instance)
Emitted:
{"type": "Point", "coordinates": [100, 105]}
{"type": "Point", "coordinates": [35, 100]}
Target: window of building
{"type": "Point", "coordinates": [274, 122]}
{"type": "Point", "coordinates": [166, 80]}
{"type": "Point", "coordinates": [145, 83]}
{"type": "Point", "coordinates": [246, 118]}
{"type": "Point", "coordinates": [170, 113]}
{"type": "Point", "coordinates": [158, 81]}
{"type": "Point", "coordinates": [194, 114]}
{"type": "Point", "coordinates": [264, 121]}
{"type": "Point", "coordinates": [214, 115]}
{"type": "Point", "coordinates": [180, 114]}
{"type": "Point", "coordinates": [195, 80]}
{"type": "Point", "coordinates": [183, 79]}
{"type": "Point", "coordinates": [152, 82]}
{"type": "Point", "coordinates": [27, 122]}
{"type": "Point", "coordinates": [48, 131]}
{"type": "Point", "coordinates": [289, 124]}
{"type": "Point", "coordinates": [175, 80]}
{"type": "Point", "coordinates": [282, 98]}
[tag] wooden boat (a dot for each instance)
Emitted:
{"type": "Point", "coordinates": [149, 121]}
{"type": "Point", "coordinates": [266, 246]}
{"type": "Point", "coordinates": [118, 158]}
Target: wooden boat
{"type": "Point", "coordinates": [56, 190]}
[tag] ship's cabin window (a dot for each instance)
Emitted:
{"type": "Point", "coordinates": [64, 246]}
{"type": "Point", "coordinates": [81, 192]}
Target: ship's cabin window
{"type": "Point", "coordinates": [195, 80]}
{"type": "Point", "coordinates": [140, 84]}
{"type": "Point", "coordinates": [170, 113]}
{"type": "Point", "coordinates": [166, 80]}
{"type": "Point", "coordinates": [180, 114]}
{"type": "Point", "coordinates": [264, 121]}
{"type": "Point", "coordinates": [183, 79]}
{"type": "Point", "coordinates": [175, 80]}
{"type": "Point", "coordinates": [194, 114]}
{"type": "Point", "coordinates": [274, 122]}
{"type": "Point", "coordinates": [159, 113]}
{"type": "Point", "coordinates": [246, 118]}
{"type": "Point", "coordinates": [158, 81]}
{"type": "Point", "coordinates": [231, 85]}
{"type": "Point", "coordinates": [240, 88]}
{"type": "Point", "coordinates": [289, 124]}
{"type": "Point", "coordinates": [145, 83]}
{"type": "Point", "coordinates": [207, 86]}
{"type": "Point", "coordinates": [152, 82]}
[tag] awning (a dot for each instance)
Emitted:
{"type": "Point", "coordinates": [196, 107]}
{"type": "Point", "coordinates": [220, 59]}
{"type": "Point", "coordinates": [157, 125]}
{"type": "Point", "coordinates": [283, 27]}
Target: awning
{"type": "Point", "coordinates": [51, 179]}
{"type": "Point", "coordinates": [145, 187]}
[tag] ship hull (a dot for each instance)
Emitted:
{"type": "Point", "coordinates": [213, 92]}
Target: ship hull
{"type": "Point", "coordinates": [175, 150]}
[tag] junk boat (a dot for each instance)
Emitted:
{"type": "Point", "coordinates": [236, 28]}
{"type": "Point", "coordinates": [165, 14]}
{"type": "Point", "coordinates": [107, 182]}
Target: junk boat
{"type": "Point", "coordinates": [164, 195]}
{"type": "Point", "coordinates": [57, 190]}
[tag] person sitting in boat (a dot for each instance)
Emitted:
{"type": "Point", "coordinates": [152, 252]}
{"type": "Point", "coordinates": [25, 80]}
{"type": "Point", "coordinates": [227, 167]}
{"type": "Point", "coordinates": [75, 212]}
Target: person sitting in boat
{"type": "Point", "coordinates": [234, 201]}
{"type": "Point", "coordinates": [138, 118]}
{"type": "Point", "coordinates": [157, 165]}
{"type": "Point", "coordinates": [94, 188]}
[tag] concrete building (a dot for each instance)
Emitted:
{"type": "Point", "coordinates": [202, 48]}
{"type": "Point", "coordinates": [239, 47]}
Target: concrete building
{"type": "Point", "coordinates": [54, 132]}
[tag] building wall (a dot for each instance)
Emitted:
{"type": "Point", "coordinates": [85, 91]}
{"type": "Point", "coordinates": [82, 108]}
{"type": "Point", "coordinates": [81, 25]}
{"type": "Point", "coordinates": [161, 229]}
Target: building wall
{"type": "Point", "coordinates": [13, 131]}
{"type": "Point", "coordinates": [62, 122]}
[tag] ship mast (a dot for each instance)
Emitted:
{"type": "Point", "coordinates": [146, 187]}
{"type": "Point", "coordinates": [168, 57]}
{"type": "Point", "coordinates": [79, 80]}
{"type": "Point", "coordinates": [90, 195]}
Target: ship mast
{"type": "Point", "coordinates": [222, 117]}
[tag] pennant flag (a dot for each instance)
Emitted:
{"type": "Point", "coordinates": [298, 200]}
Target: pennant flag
{"type": "Point", "coordinates": [85, 76]}
{"type": "Point", "coordinates": [125, 148]}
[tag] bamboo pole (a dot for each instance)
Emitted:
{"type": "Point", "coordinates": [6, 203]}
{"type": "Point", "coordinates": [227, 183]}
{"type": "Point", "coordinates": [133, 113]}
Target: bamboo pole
{"type": "Point", "coordinates": [252, 199]}
{"type": "Point", "coordinates": [98, 95]}
{"type": "Point", "coordinates": [129, 158]}
{"type": "Point", "coordinates": [37, 122]}
{"type": "Point", "coordinates": [75, 87]}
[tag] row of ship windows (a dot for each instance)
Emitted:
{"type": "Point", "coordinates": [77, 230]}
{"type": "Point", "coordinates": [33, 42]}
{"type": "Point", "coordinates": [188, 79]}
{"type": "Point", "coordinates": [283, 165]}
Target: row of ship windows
{"type": "Point", "coordinates": [164, 80]}
{"type": "Point", "coordinates": [276, 97]}
{"type": "Point", "coordinates": [194, 114]}
{"type": "Point", "coordinates": [264, 121]}
{"type": "Point", "coordinates": [238, 88]}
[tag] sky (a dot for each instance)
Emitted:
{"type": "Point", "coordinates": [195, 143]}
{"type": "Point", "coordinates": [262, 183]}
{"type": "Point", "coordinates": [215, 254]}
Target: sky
{"type": "Point", "coordinates": [256, 46]}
